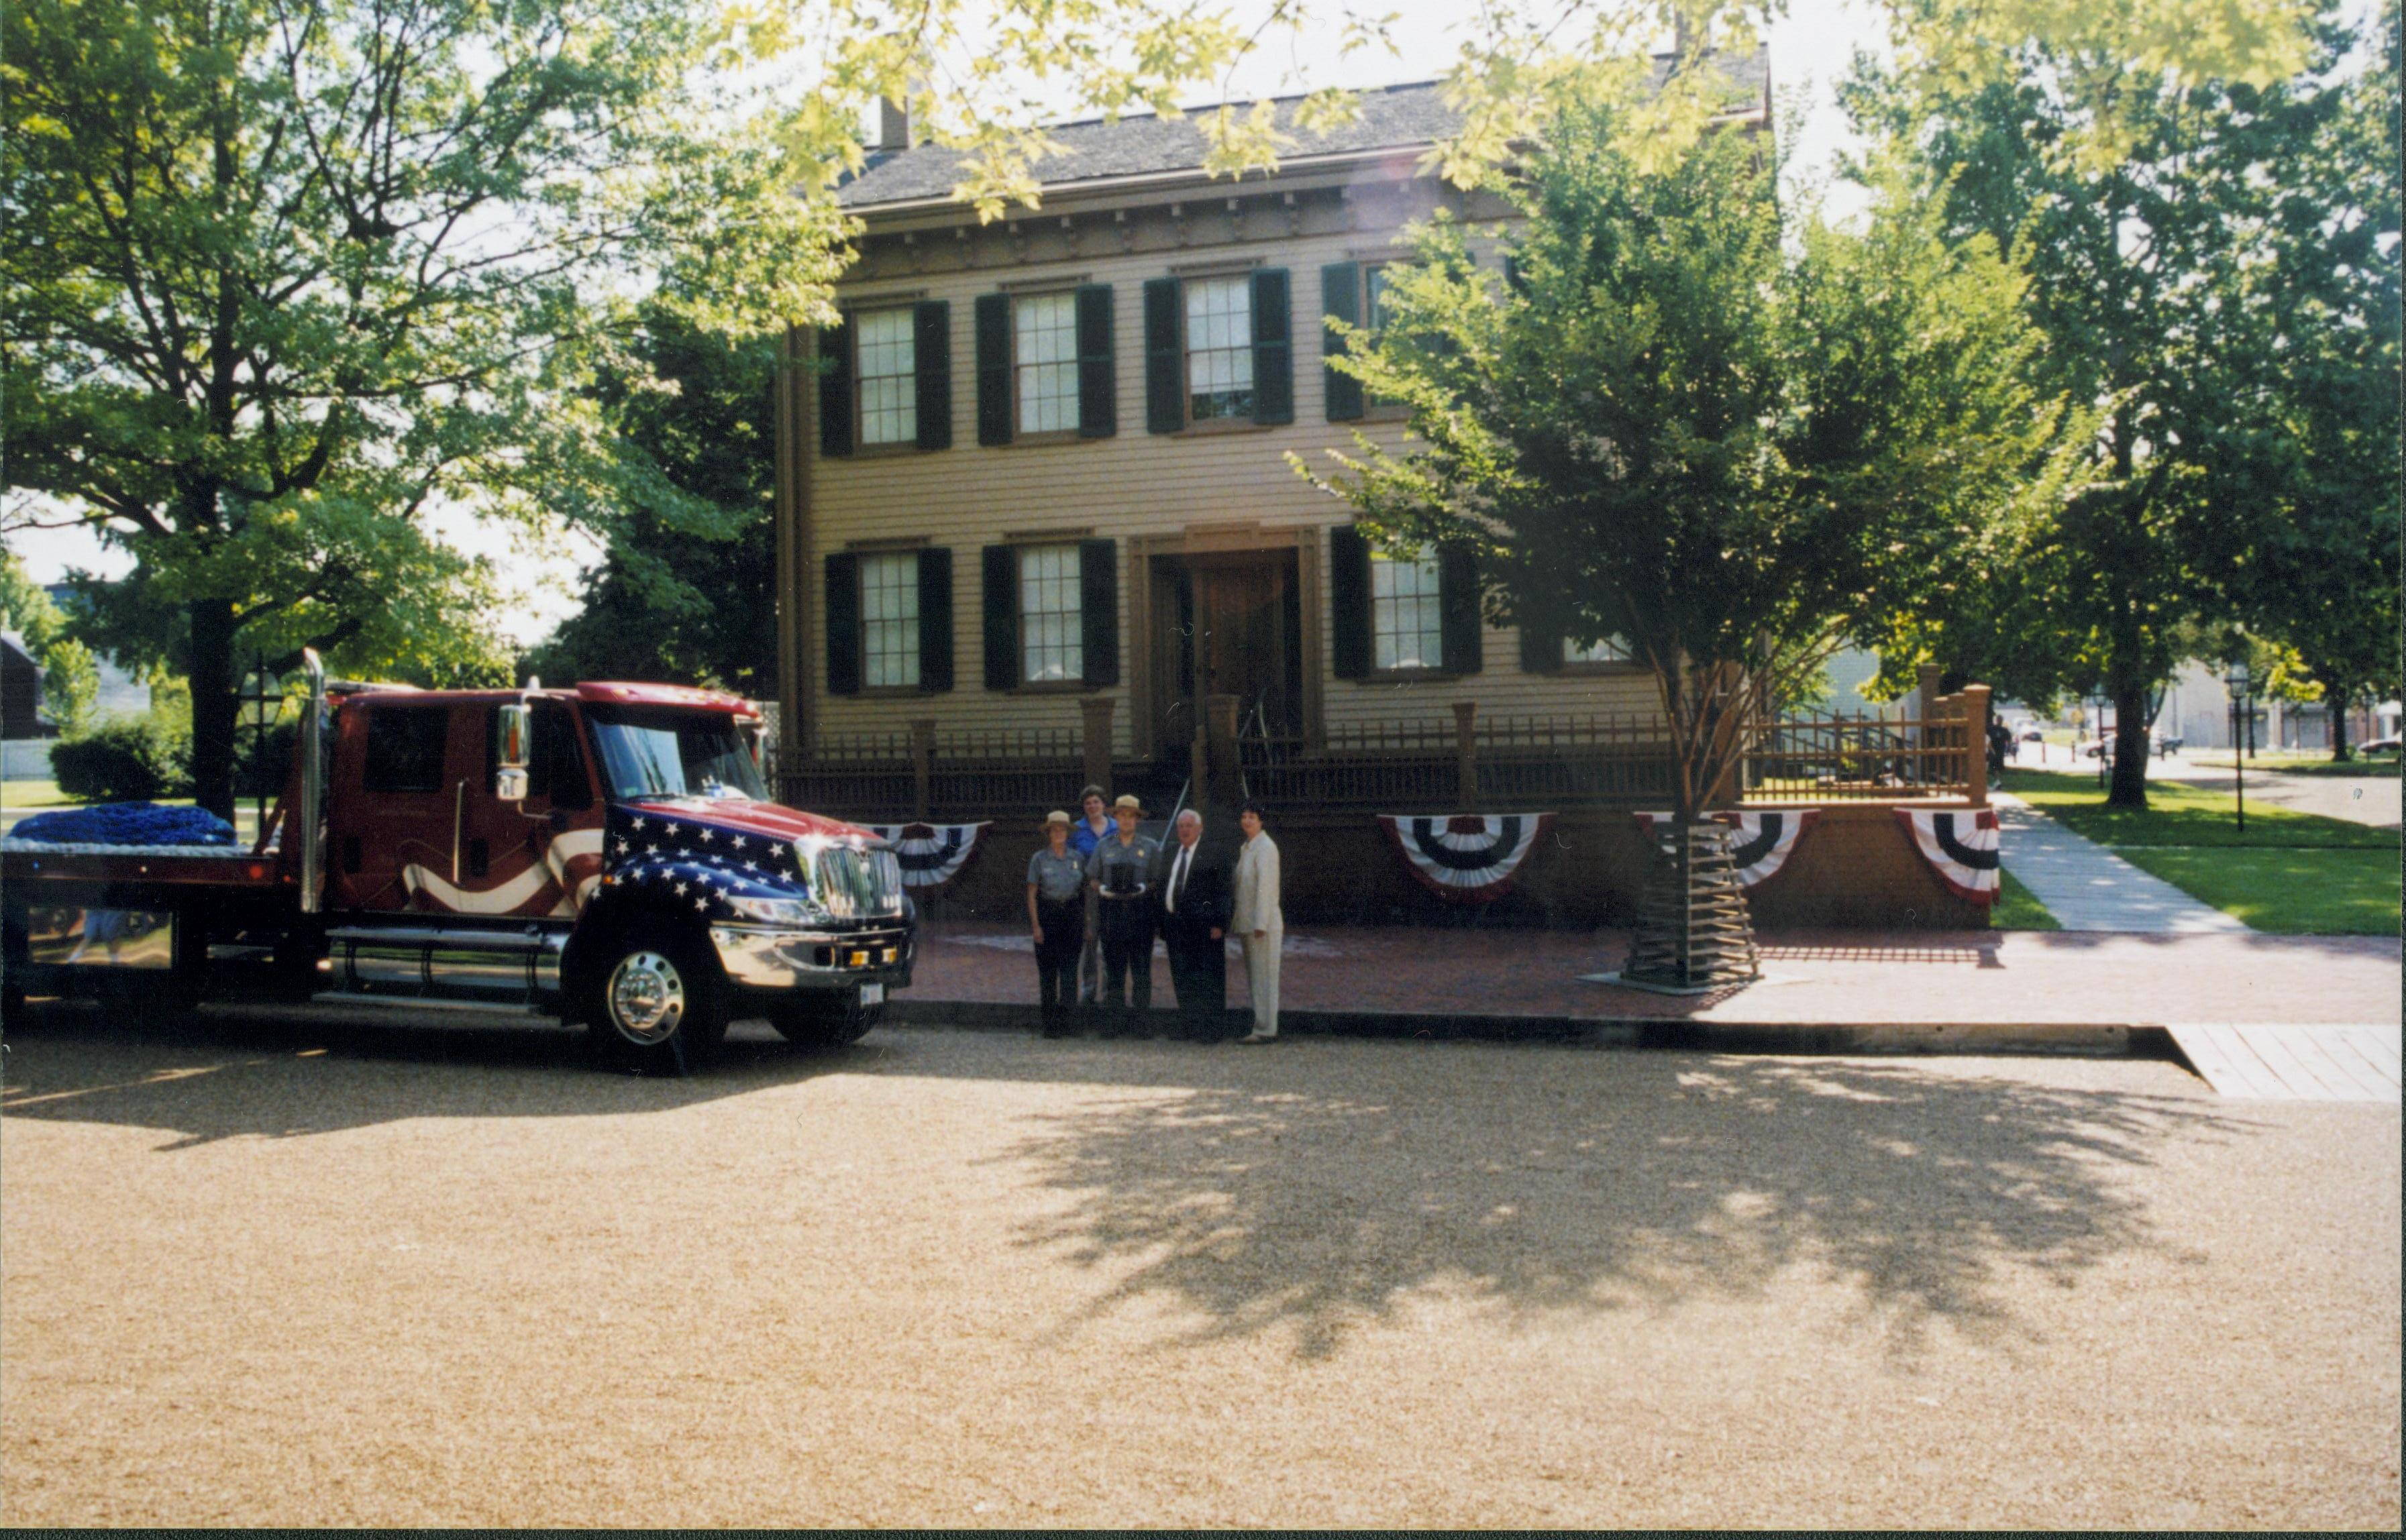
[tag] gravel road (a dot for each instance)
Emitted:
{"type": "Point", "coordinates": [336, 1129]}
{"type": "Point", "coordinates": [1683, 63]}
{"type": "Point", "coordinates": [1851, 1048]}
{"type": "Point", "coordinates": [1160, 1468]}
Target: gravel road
{"type": "Point", "coordinates": [452, 1276]}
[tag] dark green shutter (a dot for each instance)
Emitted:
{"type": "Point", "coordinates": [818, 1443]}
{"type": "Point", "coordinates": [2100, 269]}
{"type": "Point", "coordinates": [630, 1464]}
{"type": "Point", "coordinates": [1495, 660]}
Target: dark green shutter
{"type": "Point", "coordinates": [1542, 636]}
{"type": "Point", "coordinates": [1165, 357]}
{"type": "Point", "coordinates": [1348, 602]}
{"type": "Point", "coordinates": [835, 389]}
{"type": "Point", "coordinates": [1457, 605]}
{"type": "Point", "coordinates": [1098, 609]}
{"type": "Point", "coordinates": [1273, 349]}
{"type": "Point", "coordinates": [993, 368]}
{"type": "Point", "coordinates": [1099, 402]}
{"type": "Point", "coordinates": [936, 618]}
{"type": "Point", "coordinates": [844, 624]}
{"type": "Point", "coordinates": [1002, 617]}
{"type": "Point", "coordinates": [931, 347]}
{"type": "Point", "coordinates": [1340, 300]}
{"type": "Point", "coordinates": [1514, 280]}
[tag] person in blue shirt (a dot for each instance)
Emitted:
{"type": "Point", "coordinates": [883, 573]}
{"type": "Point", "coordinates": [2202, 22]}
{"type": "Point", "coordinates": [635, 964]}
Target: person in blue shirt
{"type": "Point", "coordinates": [1092, 829]}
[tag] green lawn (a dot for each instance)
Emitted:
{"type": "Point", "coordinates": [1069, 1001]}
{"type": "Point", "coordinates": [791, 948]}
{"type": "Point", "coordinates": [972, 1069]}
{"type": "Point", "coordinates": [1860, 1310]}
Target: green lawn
{"type": "Point", "coordinates": [32, 794]}
{"type": "Point", "coordinates": [2313, 764]}
{"type": "Point", "coordinates": [2017, 909]}
{"type": "Point", "coordinates": [2182, 814]}
{"type": "Point", "coordinates": [2293, 873]}
{"type": "Point", "coordinates": [2286, 892]}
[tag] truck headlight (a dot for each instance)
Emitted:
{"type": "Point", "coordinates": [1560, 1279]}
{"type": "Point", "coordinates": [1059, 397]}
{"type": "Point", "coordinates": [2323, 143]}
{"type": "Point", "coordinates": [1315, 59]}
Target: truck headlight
{"type": "Point", "coordinates": [774, 912]}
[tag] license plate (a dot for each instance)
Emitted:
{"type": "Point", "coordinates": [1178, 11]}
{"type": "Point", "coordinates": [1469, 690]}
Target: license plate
{"type": "Point", "coordinates": [873, 994]}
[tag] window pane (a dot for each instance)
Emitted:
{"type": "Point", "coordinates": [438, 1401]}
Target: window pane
{"type": "Point", "coordinates": [1406, 628]}
{"type": "Point", "coordinates": [889, 620]}
{"type": "Point", "coordinates": [1052, 635]}
{"type": "Point", "coordinates": [1047, 363]}
{"type": "Point", "coordinates": [1219, 348]}
{"type": "Point", "coordinates": [889, 397]}
{"type": "Point", "coordinates": [1612, 649]}
{"type": "Point", "coordinates": [405, 748]}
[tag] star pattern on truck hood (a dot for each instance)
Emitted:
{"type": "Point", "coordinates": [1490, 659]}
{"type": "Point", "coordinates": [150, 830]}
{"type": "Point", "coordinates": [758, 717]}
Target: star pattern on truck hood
{"type": "Point", "coordinates": [699, 866]}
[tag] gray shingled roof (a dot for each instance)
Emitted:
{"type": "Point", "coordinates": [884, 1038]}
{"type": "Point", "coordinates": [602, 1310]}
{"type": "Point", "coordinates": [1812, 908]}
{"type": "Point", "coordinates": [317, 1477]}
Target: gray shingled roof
{"type": "Point", "coordinates": [1396, 117]}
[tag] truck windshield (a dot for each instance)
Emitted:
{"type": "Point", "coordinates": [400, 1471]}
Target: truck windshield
{"type": "Point", "coordinates": [674, 754]}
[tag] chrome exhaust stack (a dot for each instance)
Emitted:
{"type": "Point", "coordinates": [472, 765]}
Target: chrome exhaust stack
{"type": "Point", "coordinates": [313, 783]}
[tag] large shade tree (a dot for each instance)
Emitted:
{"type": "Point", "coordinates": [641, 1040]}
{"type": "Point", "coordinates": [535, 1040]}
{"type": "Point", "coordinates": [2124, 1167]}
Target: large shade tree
{"type": "Point", "coordinates": [1732, 442]}
{"type": "Point", "coordinates": [2207, 266]}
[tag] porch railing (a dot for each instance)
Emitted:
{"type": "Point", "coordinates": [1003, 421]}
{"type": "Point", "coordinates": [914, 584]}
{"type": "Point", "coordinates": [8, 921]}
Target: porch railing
{"type": "Point", "coordinates": [1491, 764]}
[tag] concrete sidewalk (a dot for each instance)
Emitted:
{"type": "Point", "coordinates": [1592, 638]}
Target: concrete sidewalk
{"type": "Point", "coordinates": [2005, 982]}
{"type": "Point", "coordinates": [2087, 887]}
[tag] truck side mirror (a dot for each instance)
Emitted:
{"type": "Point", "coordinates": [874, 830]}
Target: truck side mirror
{"type": "Point", "coordinates": [510, 778]}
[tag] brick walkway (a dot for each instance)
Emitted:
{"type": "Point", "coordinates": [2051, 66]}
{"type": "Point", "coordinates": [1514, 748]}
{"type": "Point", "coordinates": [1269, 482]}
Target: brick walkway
{"type": "Point", "coordinates": [1863, 977]}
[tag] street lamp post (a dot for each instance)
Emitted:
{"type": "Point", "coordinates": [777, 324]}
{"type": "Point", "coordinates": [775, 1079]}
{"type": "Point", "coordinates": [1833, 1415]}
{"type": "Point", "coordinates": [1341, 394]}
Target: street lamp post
{"type": "Point", "coordinates": [2097, 728]}
{"type": "Point", "coordinates": [2236, 679]}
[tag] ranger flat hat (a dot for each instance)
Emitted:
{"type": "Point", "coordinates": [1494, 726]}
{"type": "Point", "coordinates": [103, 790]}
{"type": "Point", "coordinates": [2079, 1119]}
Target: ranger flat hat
{"type": "Point", "coordinates": [1128, 802]}
{"type": "Point", "coordinates": [1056, 816]}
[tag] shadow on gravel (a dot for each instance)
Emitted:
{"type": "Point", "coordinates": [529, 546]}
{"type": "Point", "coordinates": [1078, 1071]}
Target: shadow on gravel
{"type": "Point", "coordinates": [210, 1077]}
{"type": "Point", "coordinates": [1550, 1179]}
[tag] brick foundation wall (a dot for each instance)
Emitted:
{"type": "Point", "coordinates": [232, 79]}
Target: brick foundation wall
{"type": "Point", "coordinates": [1854, 869]}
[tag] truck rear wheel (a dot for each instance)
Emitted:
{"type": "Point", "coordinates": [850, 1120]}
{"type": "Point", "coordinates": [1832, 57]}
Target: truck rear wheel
{"type": "Point", "coordinates": [821, 1021]}
{"type": "Point", "coordinates": [657, 1002]}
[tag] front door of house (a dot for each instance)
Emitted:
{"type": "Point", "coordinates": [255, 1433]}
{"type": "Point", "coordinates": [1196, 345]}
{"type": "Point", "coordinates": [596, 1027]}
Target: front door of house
{"type": "Point", "coordinates": [1230, 625]}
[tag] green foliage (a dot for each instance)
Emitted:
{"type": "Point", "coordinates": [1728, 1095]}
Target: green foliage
{"type": "Point", "coordinates": [2206, 263]}
{"type": "Point", "coordinates": [1735, 445]}
{"type": "Point", "coordinates": [70, 683]}
{"type": "Point", "coordinates": [27, 607]}
{"type": "Point", "coordinates": [685, 590]}
{"type": "Point", "coordinates": [280, 284]}
{"type": "Point", "coordinates": [126, 759]}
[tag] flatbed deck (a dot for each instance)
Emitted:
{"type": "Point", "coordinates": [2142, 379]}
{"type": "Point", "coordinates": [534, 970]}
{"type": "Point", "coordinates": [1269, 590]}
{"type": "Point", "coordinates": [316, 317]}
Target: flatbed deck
{"type": "Point", "coordinates": [178, 866]}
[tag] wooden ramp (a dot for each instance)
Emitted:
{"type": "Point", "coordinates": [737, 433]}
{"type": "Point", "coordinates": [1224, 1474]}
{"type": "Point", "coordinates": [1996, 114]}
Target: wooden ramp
{"type": "Point", "coordinates": [2291, 1062]}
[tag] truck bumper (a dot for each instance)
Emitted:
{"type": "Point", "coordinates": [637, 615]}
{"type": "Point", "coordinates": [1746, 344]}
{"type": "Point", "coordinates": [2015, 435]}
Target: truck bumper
{"type": "Point", "coordinates": [767, 957]}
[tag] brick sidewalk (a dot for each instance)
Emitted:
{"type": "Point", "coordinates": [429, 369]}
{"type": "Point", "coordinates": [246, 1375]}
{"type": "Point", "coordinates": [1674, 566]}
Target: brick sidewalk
{"type": "Point", "coordinates": [1814, 978]}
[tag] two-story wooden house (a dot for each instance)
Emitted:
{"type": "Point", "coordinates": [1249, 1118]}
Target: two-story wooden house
{"type": "Point", "coordinates": [1037, 513]}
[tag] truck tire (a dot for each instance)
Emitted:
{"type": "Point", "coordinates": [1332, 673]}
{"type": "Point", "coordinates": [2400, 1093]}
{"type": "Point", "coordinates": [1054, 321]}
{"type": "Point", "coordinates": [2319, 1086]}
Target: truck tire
{"type": "Point", "coordinates": [657, 1001]}
{"type": "Point", "coordinates": [822, 1022]}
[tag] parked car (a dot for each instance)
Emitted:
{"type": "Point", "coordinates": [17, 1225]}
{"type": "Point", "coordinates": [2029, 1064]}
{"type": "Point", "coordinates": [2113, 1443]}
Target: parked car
{"type": "Point", "coordinates": [2378, 746]}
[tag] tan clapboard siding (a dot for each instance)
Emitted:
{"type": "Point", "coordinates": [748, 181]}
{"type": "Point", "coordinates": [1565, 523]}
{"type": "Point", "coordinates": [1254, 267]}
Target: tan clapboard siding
{"type": "Point", "coordinates": [1135, 483]}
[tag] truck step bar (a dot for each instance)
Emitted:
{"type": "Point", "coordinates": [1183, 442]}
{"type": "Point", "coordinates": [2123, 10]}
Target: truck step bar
{"type": "Point", "coordinates": [424, 964]}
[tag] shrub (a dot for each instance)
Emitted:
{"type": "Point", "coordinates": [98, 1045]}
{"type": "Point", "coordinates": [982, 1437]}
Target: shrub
{"type": "Point", "coordinates": [126, 759]}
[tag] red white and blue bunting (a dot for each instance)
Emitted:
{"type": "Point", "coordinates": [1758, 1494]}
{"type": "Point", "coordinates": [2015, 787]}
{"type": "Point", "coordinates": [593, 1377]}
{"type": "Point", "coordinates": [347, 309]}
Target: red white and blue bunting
{"type": "Point", "coordinates": [1465, 857]}
{"type": "Point", "coordinates": [1766, 840]}
{"type": "Point", "coordinates": [1961, 847]}
{"type": "Point", "coordinates": [929, 855]}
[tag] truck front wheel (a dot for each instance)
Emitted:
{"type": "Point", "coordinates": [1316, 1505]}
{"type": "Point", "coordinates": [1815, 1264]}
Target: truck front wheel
{"type": "Point", "coordinates": [657, 1002]}
{"type": "Point", "coordinates": [823, 1021]}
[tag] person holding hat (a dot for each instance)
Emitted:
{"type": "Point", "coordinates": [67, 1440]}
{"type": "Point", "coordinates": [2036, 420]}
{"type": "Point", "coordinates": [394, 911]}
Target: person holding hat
{"type": "Point", "coordinates": [1092, 827]}
{"type": "Point", "coordinates": [1120, 871]}
{"type": "Point", "coordinates": [1057, 917]}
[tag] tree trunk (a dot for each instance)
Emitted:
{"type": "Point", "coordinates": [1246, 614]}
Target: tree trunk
{"type": "Point", "coordinates": [2335, 710]}
{"type": "Point", "coordinates": [2133, 737]}
{"type": "Point", "coordinates": [215, 708]}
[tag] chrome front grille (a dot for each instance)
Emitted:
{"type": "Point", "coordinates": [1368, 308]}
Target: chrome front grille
{"type": "Point", "coordinates": [854, 883]}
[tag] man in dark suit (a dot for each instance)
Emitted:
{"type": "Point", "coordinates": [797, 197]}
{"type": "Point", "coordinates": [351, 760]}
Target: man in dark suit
{"type": "Point", "coordinates": [1193, 895]}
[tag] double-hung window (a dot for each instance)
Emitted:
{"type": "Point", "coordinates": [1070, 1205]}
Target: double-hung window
{"type": "Point", "coordinates": [1612, 649]}
{"type": "Point", "coordinates": [1219, 348]}
{"type": "Point", "coordinates": [888, 377]}
{"type": "Point", "coordinates": [889, 620]}
{"type": "Point", "coordinates": [1407, 619]}
{"type": "Point", "coordinates": [1051, 617]}
{"type": "Point", "coordinates": [1044, 362]}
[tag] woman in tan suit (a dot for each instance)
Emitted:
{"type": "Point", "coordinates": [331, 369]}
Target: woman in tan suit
{"type": "Point", "coordinates": [1258, 923]}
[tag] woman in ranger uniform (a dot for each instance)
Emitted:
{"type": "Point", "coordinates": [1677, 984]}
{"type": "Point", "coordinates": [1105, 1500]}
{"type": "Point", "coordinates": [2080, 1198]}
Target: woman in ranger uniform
{"type": "Point", "coordinates": [1121, 872]}
{"type": "Point", "coordinates": [1057, 917]}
